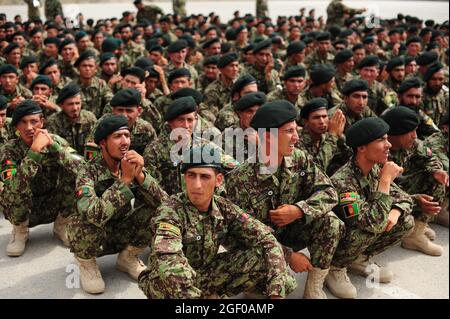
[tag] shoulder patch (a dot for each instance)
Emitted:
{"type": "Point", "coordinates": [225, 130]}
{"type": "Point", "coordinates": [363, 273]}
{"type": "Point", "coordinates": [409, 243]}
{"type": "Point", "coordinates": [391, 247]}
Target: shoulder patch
{"type": "Point", "coordinates": [8, 170]}
{"type": "Point", "coordinates": [350, 210]}
{"type": "Point", "coordinates": [163, 226]}
{"type": "Point", "coordinates": [349, 197]}
{"type": "Point", "coordinates": [83, 191]}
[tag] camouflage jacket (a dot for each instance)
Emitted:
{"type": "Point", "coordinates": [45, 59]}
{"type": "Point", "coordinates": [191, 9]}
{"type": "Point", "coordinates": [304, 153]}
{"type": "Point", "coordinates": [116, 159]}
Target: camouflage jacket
{"type": "Point", "coordinates": [125, 61]}
{"type": "Point", "coordinates": [361, 205]}
{"type": "Point", "coordinates": [186, 240]}
{"type": "Point", "coordinates": [96, 96]}
{"type": "Point", "coordinates": [337, 12]}
{"type": "Point", "coordinates": [381, 98]}
{"type": "Point", "coordinates": [226, 117]}
{"type": "Point", "coordinates": [36, 51]}
{"type": "Point", "coordinates": [435, 105]}
{"type": "Point", "coordinates": [282, 95]}
{"type": "Point", "coordinates": [334, 98]}
{"type": "Point", "coordinates": [203, 83]}
{"type": "Point", "coordinates": [68, 70]}
{"type": "Point", "coordinates": [194, 74]}
{"type": "Point", "coordinates": [133, 50]}
{"type": "Point", "coordinates": [239, 150]}
{"type": "Point", "coordinates": [216, 96]}
{"type": "Point", "coordinates": [264, 85]}
{"type": "Point", "coordinates": [154, 95]}
{"type": "Point", "coordinates": [315, 58]}
{"type": "Point", "coordinates": [350, 117]}
{"type": "Point", "coordinates": [52, 9]}
{"type": "Point", "coordinates": [341, 79]}
{"type": "Point", "coordinates": [62, 83]}
{"type": "Point", "coordinates": [20, 91]}
{"type": "Point", "coordinates": [149, 13]}
{"type": "Point", "coordinates": [6, 132]}
{"type": "Point", "coordinates": [438, 143]}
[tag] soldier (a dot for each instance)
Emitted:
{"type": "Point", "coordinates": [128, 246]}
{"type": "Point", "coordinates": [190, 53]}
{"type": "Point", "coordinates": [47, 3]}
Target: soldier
{"type": "Point", "coordinates": [287, 191]}
{"type": "Point", "coordinates": [435, 92]}
{"type": "Point", "coordinates": [41, 87]}
{"type": "Point", "coordinates": [155, 78]}
{"type": "Point", "coordinates": [241, 41]}
{"type": "Point", "coordinates": [322, 54]}
{"type": "Point", "coordinates": [33, 9]}
{"type": "Point", "coordinates": [396, 70]}
{"type": "Point", "coordinates": [115, 46]}
{"type": "Point", "coordinates": [132, 49]}
{"type": "Point", "coordinates": [53, 8]}
{"type": "Point", "coordinates": [338, 12]}
{"type": "Point", "coordinates": [38, 168]}
{"type": "Point", "coordinates": [262, 8]}
{"type": "Point", "coordinates": [177, 52]}
{"type": "Point", "coordinates": [295, 54]}
{"type": "Point", "coordinates": [53, 71]}
{"type": "Point", "coordinates": [212, 47]}
{"type": "Point", "coordinates": [109, 70]}
{"type": "Point", "coordinates": [413, 46]}
{"type": "Point", "coordinates": [210, 72]}
{"type": "Point", "coordinates": [116, 198]}
{"type": "Point", "coordinates": [10, 87]}
{"type": "Point", "coordinates": [12, 54]}
{"type": "Point", "coordinates": [375, 210]}
{"type": "Point", "coordinates": [147, 13]}
{"type": "Point", "coordinates": [423, 175]}
{"type": "Point", "coordinates": [322, 137]}
{"type": "Point", "coordinates": [51, 49]}
{"type": "Point", "coordinates": [165, 25]}
{"type": "Point", "coordinates": [29, 67]}
{"type": "Point", "coordinates": [5, 122]}
{"type": "Point", "coordinates": [425, 60]}
{"type": "Point", "coordinates": [69, 53]}
{"type": "Point", "coordinates": [322, 79]}
{"type": "Point", "coordinates": [263, 70]}
{"type": "Point", "coordinates": [72, 123]}
{"type": "Point", "coordinates": [35, 45]}
{"type": "Point", "coordinates": [179, 7]}
{"type": "Point", "coordinates": [345, 63]}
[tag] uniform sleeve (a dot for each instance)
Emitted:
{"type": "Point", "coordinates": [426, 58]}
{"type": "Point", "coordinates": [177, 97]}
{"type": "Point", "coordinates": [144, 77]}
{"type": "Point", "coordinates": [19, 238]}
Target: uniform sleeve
{"type": "Point", "coordinates": [67, 156]}
{"type": "Point", "coordinates": [327, 150]}
{"type": "Point", "coordinates": [401, 200]}
{"type": "Point", "coordinates": [153, 194]}
{"type": "Point", "coordinates": [425, 156]}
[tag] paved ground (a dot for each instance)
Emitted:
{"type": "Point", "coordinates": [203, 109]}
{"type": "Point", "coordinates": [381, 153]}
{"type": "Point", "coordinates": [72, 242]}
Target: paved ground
{"type": "Point", "coordinates": [41, 272]}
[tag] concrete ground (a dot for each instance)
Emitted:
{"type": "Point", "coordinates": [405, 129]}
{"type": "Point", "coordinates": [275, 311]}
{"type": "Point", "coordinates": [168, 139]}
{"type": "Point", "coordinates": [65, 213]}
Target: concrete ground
{"type": "Point", "coordinates": [46, 270]}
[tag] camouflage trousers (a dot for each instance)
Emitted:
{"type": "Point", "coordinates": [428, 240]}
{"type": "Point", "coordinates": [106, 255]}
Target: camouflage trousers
{"type": "Point", "coordinates": [321, 236]}
{"type": "Point", "coordinates": [88, 240]}
{"type": "Point", "coordinates": [357, 241]}
{"type": "Point", "coordinates": [231, 273]}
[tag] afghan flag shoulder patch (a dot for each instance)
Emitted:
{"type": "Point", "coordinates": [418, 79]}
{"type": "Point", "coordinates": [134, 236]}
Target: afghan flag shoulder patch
{"type": "Point", "coordinates": [8, 170]}
{"type": "Point", "coordinates": [83, 191]}
{"type": "Point", "coordinates": [348, 197]}
{"type": "Point", "coordinates": [166, 227]}
{"type": "Point", "coordinates": [350, 210]}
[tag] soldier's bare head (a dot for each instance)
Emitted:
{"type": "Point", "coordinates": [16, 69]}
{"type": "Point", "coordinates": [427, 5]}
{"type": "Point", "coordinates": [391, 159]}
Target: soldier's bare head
{"type": "Point", "coordinates": [201, 183]}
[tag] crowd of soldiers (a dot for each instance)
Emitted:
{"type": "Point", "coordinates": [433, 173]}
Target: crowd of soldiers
{"type": "Point", "coordinates": [117, 131]}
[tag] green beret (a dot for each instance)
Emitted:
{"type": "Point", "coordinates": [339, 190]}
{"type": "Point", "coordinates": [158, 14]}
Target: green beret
{"type": "Point", "coordinates": [197, 95]}
{"type": "Point", "coordinates": [354, 86]}
{"type": "Point", "coordinates": [156, 47]}
{"type": "Point", "coordinates": [323, 36]}
{"type": "Point", "coordinates": [248, 48]}
{"type": "Point", "coordinates": [180, 106]}
{"type": "Point", "coordinates": [134, 71]}
{"type": "Point", "coordinates": [242, 82]}
{"type": "Point", "coordinates": [432, 69]}
{"type": "Point", "coordinates": [368, 61]}
{"type": "Point", "coordinates": [401, 120]}
{"type": "Point", "coordinates": [7, 69]}
{"type": "Point", "coordinates": [143, 62]}
{"type": "Point", "coordinates": [126, 98]}
{"type": "Point", "coordinates": [70, 90]}
{"type": "Point", "coordinates": [294, 72]}
{"type": "Point", "coordinates": [52, 40]}
{"type": "Point", "coordinates": [427, 58]}
{"type": "Point", "coordinates": [88, 54]}
{"type": "Point", "coordinates": [240, 29]}
{"type": "Point", "coordinates": [3, 103]}
{"type": "Point", "coordinates": [190, 41]}
{"type": "Point", "coordinates": [407, 84]}
{"type": "Point", "coordinates": [106, 56]}
{"type": "Point", "coordinates": [27, 60]}
{"type": "Point", "coordinates": [50, 62]}
{"type": "Point", "coordinates": [178, 73]}
{"type": "Point", "coordinates": [202, 156]}
{"type": "Point", "coordinates": [365, 131]}
{"type": "Point", "coordinates": [346, 33]}
{"type": "Point", "coordinates": [177, 46]}
{"type": "Point", "coordinates": [249, 100]}
{"type": "Point", "coordinates": [368, 40]}
{"type": "Point", "coordinates": [10, 47]}
{"type": "Point", "coordinates": [108, 125]}
{"type": "Point", "coordinates": [227, 59]}
{"type": "Point", "coordinates": [110, 45]}
{"type": "Point", "coordinates": [343, 56]}
{"type": "Point", "coordinates": [295, 47]}
{"type": "Point", "coordinates": [395, 62]}
{"type": "Point", "coordinates": [274, 114]}
{"type": "Point", "coordinates": [322, 73]}
{"type": "Point", "coordinates": [312, 105]}
{"type": "Point", "coordinates": [151, 72]}
{"type": "Point", "coordinates": [214, 59]}
{"type": "Point", "coordinates": [210, 42]}
{"type": "Point", "coordinates": [66, 42]}
{"type": "Point", "coordinates": [265, 44]}
{"type": "Point", "coordinates": [413, 39]}
{"type": "Point", "coordinates": [80, 35]}
{"type": "Point", "coordinates": [27, 107]}
{"type": "Point", "coordinates": [41, 79]}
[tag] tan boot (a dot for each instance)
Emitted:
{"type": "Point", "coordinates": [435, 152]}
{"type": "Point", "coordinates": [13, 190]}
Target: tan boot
{"type": "Point", "coordinates": [59, 229]}
{"type": "Point", "coordinates": [418, 241]}
{"type": "Point", "coordinates": [339, 283]}
{"type": "Point", "coordinates": [90, 276]}
{"type": "Point", "coordinates": [18, 240]}
{"type": "Point", "coordinates": [430, 233]}
{"type": "Point", "coordinates": [129, 262]}
{"type": "Point", "coordinates": [314, 284]}
{"type": "Point", "coordinates": [362, 266]}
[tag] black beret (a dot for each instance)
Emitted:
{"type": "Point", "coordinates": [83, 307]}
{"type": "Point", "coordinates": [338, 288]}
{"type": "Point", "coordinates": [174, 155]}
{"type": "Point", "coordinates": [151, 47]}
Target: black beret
{"type": "Point", "coordinates": [183, 92]}
{"type": "Point", "coordinates": [323, 36]}
{"type": "Point", "coordinates": [345, 33]}
{"type": "Point", "coordinates": [210, 42]}
{"type": "Point", "coordinates": [35, 30]}
{"type": "Point", "coordinates": [409, 59]}
{"type": "Point", "coordinates": [126, 98]}
{"type": "Point", "coordinates": [106, 56]}
{"type": "Point", "coordinates": [27, 107]}
{"type": "Point", "coordinates": [433, 45]}
{"type": "Point", "coordinates": [274, 114]}
{"type": "Point", "coordinates": [178, 73]}
{"type": "Point", "coordinates": [202, 156]}
{"type": "Point", "coordinates": [8, 68]}
{"type": "Point", "coordinates": [249, 100]}
{"type": "Point", "coordinates": [10, 47]}
{"type": "Point", "coordinates": [358, 46]}
{"type": "Point", "coordinates": [294, 72]}
{"type": "Point", "coordinates": [413, 39]}
{"type": "Point", "coordinates": [124, 25]}
{"type": "Point", "coordinates": [365, 131]}
{"type": "Point", "coordinates": [143, 62]}
{"type": "Point", "coordinates": [190, 41]}
{"type": "Point", "coordinates": [308, 40]}
{"type": "Point", "coordinates": [183, 105]}
{"type": "Point", "coordinates": [50, 62]}
{"type": "Point", "coordinates": [70, 90]}
{"type": "Point", "coordinates": [108, 125]}
{"type": "Point", "coordinates": [135, 71]}
{"type": "Point", "coordinates": [401, 120]}
{"type": "Point", "coordinates": [407, 84]}
{"type": "Point", "coordinates": [80, 35]}
{"type": "Point", "coordinates": [177, 46]}
{"type": "Point", "coordinates": [227, 59]}
{"type": "Point", "coordinates": [88, 54]}
{"type": "Point", "coordinates": [214, 59]}
{"type": "Point", "coordinates": [155, 47]}
{"type": "Point", "coordinates": [262, 45]}
{"type": "Point", "coordinates": [432, 69]}
{"type": "Point", "coordinates": [164, 19]}
{"type": "Point", "coordinates": [248, 48]}
{"type": "Point", "coordinates": [368, 40]}
{"type": "Point", "coordinates": [53, 40]}
{"type": "Point", "coordinates": [110, 45]}
{"type": "Point", "coordinates": [395, 62]}
{"type": "Point", "coordinates": [354, 86]}
{"type": "Point", "coordinates": [312, 105]}
{"type": "Point", "coordinates": [242, 82]}
{"type": "Point", "coordinates": [225, 47]}
{"type": "Point", "coordinates": [3, 103]}
{"type": "Point", "coordinates": [26, 60]}
{"type": "Point", "coordinates": [240, 29]}
{"type": "Point", "coordinates": [151, 72]}
{"type": "Point", "coordinates": [41, 79]}
{"type": "Point", "coordinates": [322, 73]}
{"type": "Point", "coordinates": [66, 42]}
{"type": "Point", "coordinates": [295, 47]}
{"type": "Point", "coordinates": [394, 31]}
{"type": "Point", "coordinates": [343, 56]}
{"type": "Point", "coordinates": [371, 60]}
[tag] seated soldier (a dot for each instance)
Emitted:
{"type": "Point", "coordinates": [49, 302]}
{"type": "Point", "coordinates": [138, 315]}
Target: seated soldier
{"type": "Point", "coordinates": [42, 91]}
{"type": "Point", "coordinates": [186, 261]}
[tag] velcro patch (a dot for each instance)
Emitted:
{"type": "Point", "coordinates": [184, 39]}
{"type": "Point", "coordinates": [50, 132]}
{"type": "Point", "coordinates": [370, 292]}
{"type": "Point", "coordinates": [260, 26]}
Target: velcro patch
{"type": "Point", "coordinates": [350, 210]}
{"type": "Point", "coordinates": [345, 198]}
{"type": "Point", "coordinates": [9, 169]}
{"type": "Point", "coordinates": [163, 226]}
{"type": "Point", "coordinates": [83, 191]}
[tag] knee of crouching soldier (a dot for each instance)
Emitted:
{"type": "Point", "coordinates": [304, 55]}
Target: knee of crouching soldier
{"type": "Point", "coordinates": [335, 225]}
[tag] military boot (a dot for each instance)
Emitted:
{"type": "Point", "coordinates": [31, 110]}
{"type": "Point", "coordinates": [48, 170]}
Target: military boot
{"type": "Point", "coordinates": [362, 266]}
{"type": "Point", "coordinates": [18, 240]}
{"type": "Point", "coordinates": [90, 276]}
{"type": "Point", "coordinates": [339, 283]}
{"type": "Point", "coordinates": [129, 262]}
{"type": "Point", "coordinates": [314, 284]}
{"type": "Point", "coordinates": [418, 241]}
{"type": "Point", "coordinates": [59, 229]}
{"type": "Point", "coordinates": [430, 233]}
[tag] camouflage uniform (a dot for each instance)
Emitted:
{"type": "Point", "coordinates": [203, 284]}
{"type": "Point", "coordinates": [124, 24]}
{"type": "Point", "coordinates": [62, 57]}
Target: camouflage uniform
{"type": "Point", "coordinates": [33, 12]}
{"type": "Point", "coordinates": [133, 50]}
{"type": "Point", "coordinates": [262, 8]}
{"type": "Point", "coordinates": [336, 10]}
{"type": "Point", "coordinates": [194, 74]}
{"type": "Point", "coordinates": [365, 212]}
{"type": "Point", "coordinates": [298, 182]}
{"type": "Point", "coordinates": [152, 97]}
{"type": "Point", "coordinates": [315, 58]}
{"type": "Point", "coordinates": [62, 83]}
{"type": "Point", "coordinates": [68, 70]}
{"type": "Point", "coordinates": [239, 151]}
{"type": "Point", "coordinates": [96, 96]}
{"type": "Point", "coordinates": [185, 261]}
{"type": "Point", "coordinates": [438, 143]}
{"type": "Point", "coordinates": [151, 114]}
{"type": "Point", "coordinates": [226, 117]}
{"type": "Point", "coordinates": [36, 51]}
{"type": "Point", "coordinates": [6, 132]}
{"type": "Point", "coordinates": [43, 184]}
{"type": "Point", "coordinates": [75, 133]}
{"type": "Point", "coordinates": [381, 98]}
{"type": "Point", "coordinates": [264, 85]}
{"type": "Point", "coordinates": [125, 61]}
{"type": "Point", "coordinates": [435, 105]}
{"type": "Point", "coordinates": [149, 13]}
{"type": "Point", "coordinates": [111, 215]}
{"type": "Point", "coordinates": [341, 79]}
{"type": "Point", "coordinates": [179, 7]}
{"type": "Point", "coordinates": [20, 91]}
{"type": "Point", "coordinates": [426, 125]}
{"type": "Point", "coordinates": [52, 9]}
{"type": "Point", "coordinates": [216, 96]}
{"type": "Point", "coordinates": [203, 83]}
{"type": "Point", "coordinates": [391, 84]}
{"type": "Point", "coordinates": [282, 95]}
{"type": "Point", "coordinates": [333, 98]}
